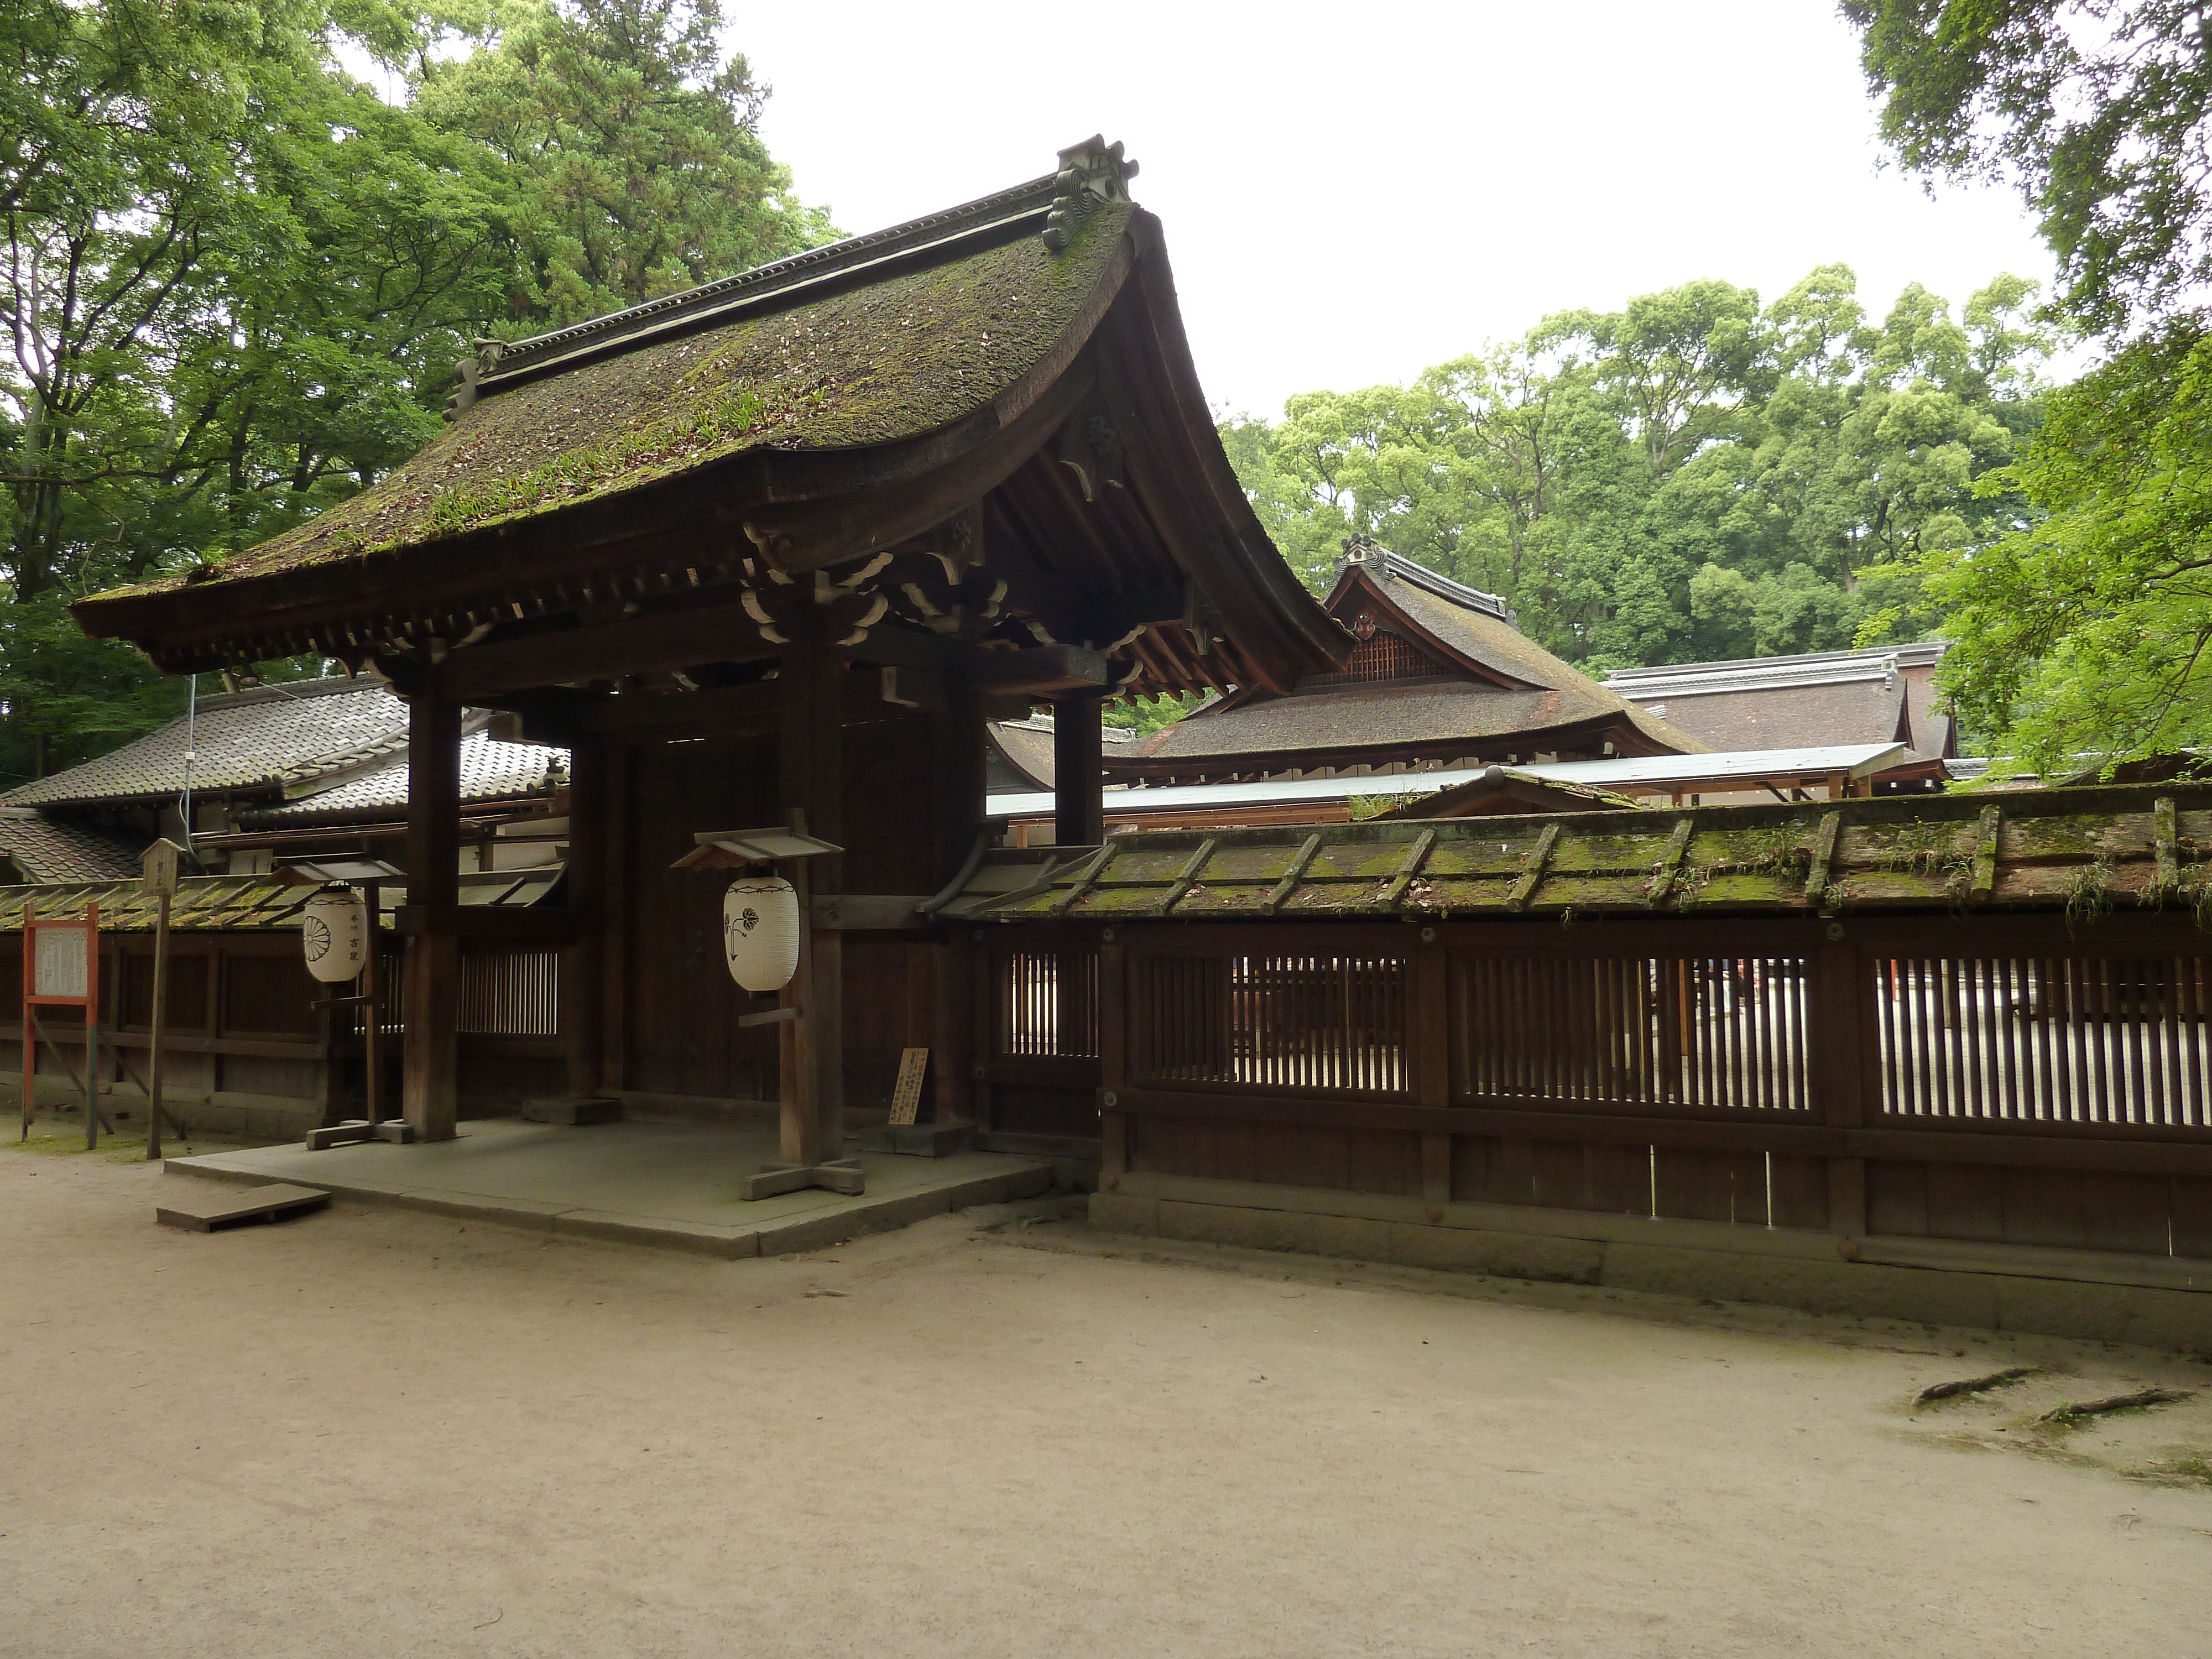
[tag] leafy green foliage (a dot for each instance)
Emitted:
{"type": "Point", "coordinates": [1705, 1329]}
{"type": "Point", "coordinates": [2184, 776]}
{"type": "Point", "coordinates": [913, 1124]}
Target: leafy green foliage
{"type": "Point", "coordinates": [236, 280]}
{"type": "Point", "coordinates": [2083, 632]}
{"type": "Point", "coordinates": [2095, 109]}
{"type": "Point", "coordinates": [1692, 476]}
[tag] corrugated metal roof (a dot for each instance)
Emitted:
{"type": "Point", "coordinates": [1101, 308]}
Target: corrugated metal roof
{"type": "Point", "coordinates": [1673, 771]}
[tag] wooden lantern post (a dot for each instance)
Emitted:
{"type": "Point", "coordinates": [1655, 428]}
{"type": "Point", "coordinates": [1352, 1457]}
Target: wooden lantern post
{"type": "Point", "coordinates": [806, 1028]}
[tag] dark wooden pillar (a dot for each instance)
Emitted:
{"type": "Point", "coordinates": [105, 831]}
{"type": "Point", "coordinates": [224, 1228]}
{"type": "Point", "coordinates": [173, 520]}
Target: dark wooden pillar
{"type": "Point", "coordinates": [581, 1028]}
{"type": "Point", "coordinates": [810, 777]}
{"type": "Point", "coordinates": [1079, 805]}
{"type": "Point", "coordinates": [1841, 985]}
{"type": "Point", "coordinates": [429, 1094]}
{"type": "Point", "coordinates": [960, 790]}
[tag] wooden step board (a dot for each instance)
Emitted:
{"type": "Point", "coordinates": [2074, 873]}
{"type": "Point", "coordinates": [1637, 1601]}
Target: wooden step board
{"type": "Point", "coordinates": [203, 1212]}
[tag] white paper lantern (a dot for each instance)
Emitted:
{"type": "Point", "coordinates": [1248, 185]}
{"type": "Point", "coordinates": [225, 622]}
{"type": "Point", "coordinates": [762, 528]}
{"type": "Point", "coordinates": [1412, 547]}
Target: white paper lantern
{"type": "Point", "coordinates": [334, 935]}
{"type": "Point", "coordinates": [760, 932]}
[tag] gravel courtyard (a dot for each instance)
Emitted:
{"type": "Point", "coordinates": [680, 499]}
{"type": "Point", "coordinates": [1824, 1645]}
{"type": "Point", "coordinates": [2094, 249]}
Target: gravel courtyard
{"type": "Point", "coordinates": [380, 1432]}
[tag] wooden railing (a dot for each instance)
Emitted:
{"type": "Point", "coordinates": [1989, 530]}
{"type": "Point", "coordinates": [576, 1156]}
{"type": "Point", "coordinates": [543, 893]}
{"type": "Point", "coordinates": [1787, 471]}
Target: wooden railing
{"type": "Point", "coordinates": [2001, 1081]}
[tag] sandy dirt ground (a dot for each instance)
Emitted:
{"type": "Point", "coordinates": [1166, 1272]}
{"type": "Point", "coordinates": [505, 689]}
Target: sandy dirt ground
{"type": "Point", "coordinates": [376, 1432]}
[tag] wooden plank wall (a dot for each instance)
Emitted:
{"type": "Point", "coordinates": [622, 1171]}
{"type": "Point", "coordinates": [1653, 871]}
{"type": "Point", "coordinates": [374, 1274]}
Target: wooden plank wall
{"type": "Point", "coordinates": [1998, 1080]}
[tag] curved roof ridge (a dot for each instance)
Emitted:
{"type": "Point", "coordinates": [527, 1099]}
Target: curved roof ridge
{"type": "Point", "coordinates": [1394, 566]}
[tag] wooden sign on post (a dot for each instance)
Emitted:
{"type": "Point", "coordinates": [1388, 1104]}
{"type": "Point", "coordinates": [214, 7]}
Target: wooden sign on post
{"type": "Point", "coordinates": [906, 1099]}
{"type": "Point", "coordinates": [61, 967]}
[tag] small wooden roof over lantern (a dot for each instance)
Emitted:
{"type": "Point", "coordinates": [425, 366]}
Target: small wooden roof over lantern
{"type": "Point", "coordinates": [739, 849]}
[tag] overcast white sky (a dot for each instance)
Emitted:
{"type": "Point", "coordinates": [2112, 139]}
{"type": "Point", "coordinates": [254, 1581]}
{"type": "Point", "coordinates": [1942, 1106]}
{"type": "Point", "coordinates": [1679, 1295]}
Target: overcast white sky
{"type": "Point", "coordinates": [1353, 192]}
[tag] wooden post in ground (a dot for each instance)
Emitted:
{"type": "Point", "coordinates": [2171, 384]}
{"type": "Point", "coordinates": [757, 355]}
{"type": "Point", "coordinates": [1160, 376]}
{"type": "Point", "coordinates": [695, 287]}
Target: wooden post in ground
{"type": "Point", "coordinates": [372, 1009]}
{"type": "Point", "coordinates": [1839, 1061]}
{"type": "Point", "coordinates": [799, 1127]}
{"type": "Point", "coordinates": [1078, 783]}
{"type": "Point", "coordinates": [153, 1039]}
{"type": "Point", "coordinates": [958, 745]}
{"type": "Point", "coordinates": [30, 1030]}
{"type": "Point", "coordinates": [582, 1030]}
{"type": "Point", "coordinates": [811, 778]}
{"type": "Point", "coordinates": [430, 1069]}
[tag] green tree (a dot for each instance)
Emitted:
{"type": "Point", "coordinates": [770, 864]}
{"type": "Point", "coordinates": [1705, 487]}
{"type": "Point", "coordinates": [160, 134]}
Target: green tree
{"type": "Point", "coordinates": [1693, 475]}
{"type": "Point", "coordinates": [236, 281]}
{"type": "Point", "coordinates": [632, 144]}
{"type": "Point", "coordinates": [2095, 110]}
{"type": "Point", "coordinates": [2082, 630]}
{"type": "Point", "coordinates": [2085, 632]}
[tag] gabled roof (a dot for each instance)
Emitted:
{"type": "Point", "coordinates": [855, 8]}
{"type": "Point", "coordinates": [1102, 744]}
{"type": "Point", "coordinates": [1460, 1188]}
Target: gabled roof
{"type": "Point", "coordinates": [1478, 680]}
{"type": "Point", "coordinates": [263, 738]}
{"type": "Point", "coordinates": [1818, 698]}
{"type": "Point", "coordinates": [40, 849]}
{"type": "Point", "coordinates": [1007, 381]}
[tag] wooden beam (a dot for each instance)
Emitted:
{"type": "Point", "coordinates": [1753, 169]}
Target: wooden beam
{"type": "Point", "coordinates": [549, 925]}
{"type": "Point", "coordinates": [1047, 668]}
{"type": "Point", "coordinates": [683, 637]}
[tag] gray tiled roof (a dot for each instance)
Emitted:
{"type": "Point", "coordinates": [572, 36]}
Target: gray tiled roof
{"type": "Point", "coordinates": [43, 850]}
{"type": "Point", "coordinates": [490, 770]}
{"type": "Point", "coordinates": [257, 739]}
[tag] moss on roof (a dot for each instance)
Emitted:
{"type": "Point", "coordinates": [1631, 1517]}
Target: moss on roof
{"type": "Point", "coordinates": [2082, 852]}
{"type": "Point", "coordinates": [894, 360]}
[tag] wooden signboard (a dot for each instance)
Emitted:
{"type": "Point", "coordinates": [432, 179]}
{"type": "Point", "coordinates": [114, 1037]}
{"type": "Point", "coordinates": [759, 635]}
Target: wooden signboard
{"type": "Point", "coordinates": [61, 969]}
{"type": "Point", "coordinates": [906, 1099]}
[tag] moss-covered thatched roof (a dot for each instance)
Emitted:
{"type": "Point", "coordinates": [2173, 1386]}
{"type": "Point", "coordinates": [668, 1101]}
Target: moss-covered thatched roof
{"type": "Point", "coordinates": [899, 355]}
{"type": "Point", "coordinates": [2082, 851]}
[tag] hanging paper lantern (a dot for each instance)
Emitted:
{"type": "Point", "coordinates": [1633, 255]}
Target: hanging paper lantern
{"type": "Point", "coordinates": [760, 932]}
{"type": "Point", "coordinates": [334, 934]}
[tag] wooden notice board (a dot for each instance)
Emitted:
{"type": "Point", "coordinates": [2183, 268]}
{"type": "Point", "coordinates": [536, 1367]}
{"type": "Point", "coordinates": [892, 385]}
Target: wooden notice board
{"type": "Point", "coordinates": [61, 968]}
{"type": "Point", "coordinates": [906, 1099]}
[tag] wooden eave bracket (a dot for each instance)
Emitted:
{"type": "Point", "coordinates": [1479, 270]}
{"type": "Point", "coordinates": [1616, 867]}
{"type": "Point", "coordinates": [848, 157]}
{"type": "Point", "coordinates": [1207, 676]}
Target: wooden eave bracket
{"type": "Point", "coordinates": [1532, 873]}
{"type": "Point", "coordinates": [1671, 861]}
{"type": "Point", "coordinates": [1985, 851]}
{"type": "Point", "coordinates": [1186, 878]}
{"type": "Point", "coordinates": [1084, 877]}
{"type": "Point", "coordinates": [1824, 858]}
{"type": "Point", "coordinates": [1410, 867]}
{"type": "Point", "coordinates": [1280, 893]}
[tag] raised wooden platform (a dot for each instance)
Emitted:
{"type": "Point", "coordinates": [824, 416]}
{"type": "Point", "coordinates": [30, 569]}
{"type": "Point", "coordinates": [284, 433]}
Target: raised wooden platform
{"type": "Point", "coordinates": [673, 1185]}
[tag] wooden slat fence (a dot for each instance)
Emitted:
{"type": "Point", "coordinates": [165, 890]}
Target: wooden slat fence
{"type": "Point", "coordinates": [1995, 1078]}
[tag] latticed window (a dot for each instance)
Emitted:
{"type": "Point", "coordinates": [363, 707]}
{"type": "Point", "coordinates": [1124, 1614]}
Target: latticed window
{"type": "Point", "coordinates": [1381, 657]}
